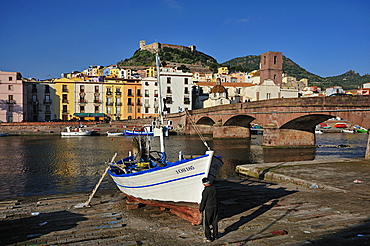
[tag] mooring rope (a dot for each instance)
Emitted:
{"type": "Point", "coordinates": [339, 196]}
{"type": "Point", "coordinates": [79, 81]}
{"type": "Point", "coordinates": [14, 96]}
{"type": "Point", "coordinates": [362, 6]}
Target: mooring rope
{"type": "Point", "coordinates": [197, 130]}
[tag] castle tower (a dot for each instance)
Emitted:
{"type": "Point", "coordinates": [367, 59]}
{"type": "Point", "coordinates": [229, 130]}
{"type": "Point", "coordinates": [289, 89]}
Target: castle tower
{"type": "Point", "coordinates": [272, 67]}
{"type": "Point", "coordinates": [142, 44]}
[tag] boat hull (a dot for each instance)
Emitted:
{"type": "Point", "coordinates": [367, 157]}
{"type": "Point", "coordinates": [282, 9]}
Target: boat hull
{"type": "Point", "coordinates": [176, 182]}
{"type": "Point", "coordinates": [114, 134]}
{"type": "Point", "coordinates": [137, 133]}
{"type": "Point", "coordinates": [85, 133]}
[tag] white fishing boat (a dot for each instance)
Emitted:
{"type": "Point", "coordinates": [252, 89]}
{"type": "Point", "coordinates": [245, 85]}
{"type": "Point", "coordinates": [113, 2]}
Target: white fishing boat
{"type": "Point", "coordinates": [348, 131]}
{"type": "Point", "coordinates": [69, 131]}
{"type": "Point", "coordinates": [147, 176]}
{"type": "Point", "coordinates": [318, 132]}
{"type": "Point", "coordinates": [114, 134]}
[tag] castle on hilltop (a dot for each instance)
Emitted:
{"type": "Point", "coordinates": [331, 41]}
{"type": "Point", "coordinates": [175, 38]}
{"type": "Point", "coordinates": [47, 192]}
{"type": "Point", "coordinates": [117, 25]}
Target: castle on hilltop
{"type": "Point", "coordinates": [156, 46]}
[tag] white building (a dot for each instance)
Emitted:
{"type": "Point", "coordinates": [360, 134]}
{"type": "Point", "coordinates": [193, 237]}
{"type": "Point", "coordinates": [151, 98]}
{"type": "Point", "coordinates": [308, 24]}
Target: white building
{"type": "Point", "coordinates": [176, 90]}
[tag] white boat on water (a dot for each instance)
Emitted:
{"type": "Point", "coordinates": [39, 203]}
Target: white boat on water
{"type": "Point", "coordinates": [348, 131]}
{"type": "Point", "coordinates": [69, 131]}
{"type": "Point", "coordinates": [114, 134]}
{"type": "Point", "coordinates": [318, 132]}
{"type": "Point", "coordinates": [147, 176]}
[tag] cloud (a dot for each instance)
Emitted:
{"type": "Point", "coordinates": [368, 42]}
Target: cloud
{"type": "Point", "coordinates": [173, 4]}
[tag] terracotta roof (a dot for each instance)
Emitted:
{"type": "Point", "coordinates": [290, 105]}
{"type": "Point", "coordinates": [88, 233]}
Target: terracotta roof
{"type": "Point", "coordinates": [218, 89]}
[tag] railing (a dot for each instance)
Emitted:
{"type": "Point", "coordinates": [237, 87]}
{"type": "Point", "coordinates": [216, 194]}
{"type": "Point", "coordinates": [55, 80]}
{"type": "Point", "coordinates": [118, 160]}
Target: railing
{"type": "Point", "coordinates": [118, 104]}
{"type": "Point", "coordinates": [109, 103]}
{"type": "Point", "coordinates": [65, 101]}
{"type": "Point", "coordinates": [47, 101]}
{"type": "Point", "coordinates": [97, 101]}
{"type": "Point", "coordinates": [82, 101]}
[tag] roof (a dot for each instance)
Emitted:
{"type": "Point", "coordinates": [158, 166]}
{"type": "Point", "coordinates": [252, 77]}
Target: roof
{"type": "Point", "coordinates": [218, 89]}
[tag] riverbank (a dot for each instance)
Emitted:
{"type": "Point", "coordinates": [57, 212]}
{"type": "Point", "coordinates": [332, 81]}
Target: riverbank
{"type": "Point", "coordinates": [253, 211]}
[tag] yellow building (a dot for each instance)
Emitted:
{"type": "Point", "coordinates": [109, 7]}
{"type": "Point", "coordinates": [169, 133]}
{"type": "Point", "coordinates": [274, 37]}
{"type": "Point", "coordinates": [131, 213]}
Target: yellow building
{"type": "Point", "coordinates": [64, 103]}
{"type": "Point", "coordinates": [223, 70]}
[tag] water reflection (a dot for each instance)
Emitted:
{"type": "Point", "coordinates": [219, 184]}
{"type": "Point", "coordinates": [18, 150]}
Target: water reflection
{"type": "Point", "coordinates": [34, 165]}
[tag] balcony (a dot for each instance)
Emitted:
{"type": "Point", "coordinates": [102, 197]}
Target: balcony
{"type": "Point", "coordinates": [97, 101]}
{"type": "Point", "coordinates": [118, 93]}
{"type": "Point", "coordinates": [47, 101]}
{"type": "Point", "coordinates": [83, 101]}
{"type": "Point", "coordinates": [109, 93]}
{"type": "Point", "coordinates": [109, 103]}
{"type": "Point", "coordinates": [118, 104]}
{"type": "Point", "coordinates": [155, 95]}
{"type": "Point", "coordinates": [65, 101]}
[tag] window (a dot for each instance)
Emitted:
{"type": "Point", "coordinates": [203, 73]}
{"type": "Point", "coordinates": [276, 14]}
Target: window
{"type": "Point", "coordinates": [268, 96]}
{"type": "Point", "coordinates": [129, 92]}
{"type": "Point", "coordinates": [96, 99]}
{"type": "Point", "coordinates": [275, 59]}
{"type": "Point", "coordinates": [65, 109]}
{"type": "Point", "coordinates": [64, 98]}
{"type": "Point", "coordinates": [146, 110]}
{"type": "Point", "coordinates": [10, 98]}
{"type": "Point", "coordinates": [10, 107]}
{"type": "Point", "coordinates": [82, 88]}
{"type": "Point", "coordinates": [146, 93]}
{"type": "Point", "coordinates": [186, 81]}
{"type": "Point", "coordinates": [82, 109]}
{"type": "Point", "coordinates": [186, 90]}
{"type": "Point", "coordinates": [47, 89]}
{"type": "Point", "coordinates": [138, 101]}
{"type": "Point", "coordinates": [96, 109]}
{"type": "Point", "coordinates": [168, 80]}
{"type": "Point", "coordinates": [129, 101]}
{"type": "Point", "coordinates": [147, 83]}
{"type": "Point", "coordinates": [129, 109]}
{"type": "Point", "coordinates": [138, 93]}
{"type": "Point", "coordinates": [10, 87]}
{"type": "Point", "coordinates": [169, 89]}
{"type": "Point", "coordinates": [139, 109]}
{"type": "Point", "coordinates": [10, 78]}
{"type": "Point", "coordinates": [118, 110]}
{"type": "Point", "coordinates": [118, 101]}
{"type": "Point", "coordinates": [96, 88]}
{"type": "Point", "coordinates": [64, 88]}
{"type": "Point", "coordinates": [156, 93]}
{"type": "Point", "coordinates": [109, 110]}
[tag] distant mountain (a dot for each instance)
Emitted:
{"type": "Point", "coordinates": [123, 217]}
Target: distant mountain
{"type": "Point", "coordinates": [197, 61]}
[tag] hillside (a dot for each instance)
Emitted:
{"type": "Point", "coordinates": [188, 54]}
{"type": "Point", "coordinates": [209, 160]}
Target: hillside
{"type": "Point", "coordinates": [196, 61]}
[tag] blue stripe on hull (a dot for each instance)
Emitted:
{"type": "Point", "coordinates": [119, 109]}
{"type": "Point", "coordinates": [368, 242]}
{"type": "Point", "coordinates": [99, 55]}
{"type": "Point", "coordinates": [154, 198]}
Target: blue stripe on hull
{"type": "Point", "coordinates": [164, 182]}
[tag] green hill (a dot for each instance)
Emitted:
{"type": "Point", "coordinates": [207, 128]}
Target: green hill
{"type": "Point", "coordinates": [146, 58]}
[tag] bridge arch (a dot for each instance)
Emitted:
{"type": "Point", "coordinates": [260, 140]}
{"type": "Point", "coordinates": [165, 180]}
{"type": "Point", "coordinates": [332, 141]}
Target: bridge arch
{"type": "Point", "coordinates": [239, 120]}
{"type": "Point", "coordinates": [205, 121]}
{"type": "Point", "coordinates": [306, 123]}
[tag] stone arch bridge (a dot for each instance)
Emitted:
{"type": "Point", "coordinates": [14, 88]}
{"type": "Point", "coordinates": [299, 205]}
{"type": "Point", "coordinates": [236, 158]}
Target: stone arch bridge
{"type": "Point", "coordinates": [286, 121]}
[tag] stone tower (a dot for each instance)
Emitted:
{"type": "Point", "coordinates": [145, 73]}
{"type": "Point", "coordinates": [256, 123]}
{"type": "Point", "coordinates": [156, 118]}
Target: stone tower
{"type": "Point", "coordinates": [272, 67]}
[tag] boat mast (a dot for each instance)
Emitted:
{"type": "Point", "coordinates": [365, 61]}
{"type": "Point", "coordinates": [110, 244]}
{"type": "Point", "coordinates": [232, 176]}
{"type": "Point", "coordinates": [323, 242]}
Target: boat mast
{"type": "Point", "coordinates": [160, 111]}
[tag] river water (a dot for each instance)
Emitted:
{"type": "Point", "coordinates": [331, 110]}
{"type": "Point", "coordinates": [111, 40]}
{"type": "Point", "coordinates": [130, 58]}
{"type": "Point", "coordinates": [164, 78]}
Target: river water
{"type": "Point", "coordinates": [43, 165]}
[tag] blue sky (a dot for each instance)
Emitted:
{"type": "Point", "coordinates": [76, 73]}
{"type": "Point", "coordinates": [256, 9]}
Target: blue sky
{"type": "Point", "coordinates": [44, 38]}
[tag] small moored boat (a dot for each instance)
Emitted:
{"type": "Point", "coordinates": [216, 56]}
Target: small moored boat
{"type": "Point", "coordinates": [69, 131]}
{"type": "Point", "coordinates": [114, 134]}
{"type": "Point", "coordinates": [4, 134]}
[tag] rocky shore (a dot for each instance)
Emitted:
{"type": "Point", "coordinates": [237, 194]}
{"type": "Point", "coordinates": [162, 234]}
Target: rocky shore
{"type": "Point", "coordinates": [296, 203]}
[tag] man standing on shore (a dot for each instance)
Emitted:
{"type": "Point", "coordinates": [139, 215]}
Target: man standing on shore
{"type": "Point", "coordinates": [209, 210]}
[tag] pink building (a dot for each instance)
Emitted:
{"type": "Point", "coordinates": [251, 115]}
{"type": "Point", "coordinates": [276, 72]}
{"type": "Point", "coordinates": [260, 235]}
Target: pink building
{"type": "Point", "coordinates": [12, 96]}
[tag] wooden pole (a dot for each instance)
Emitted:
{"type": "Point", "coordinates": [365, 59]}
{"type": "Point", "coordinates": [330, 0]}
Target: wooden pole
{"type": "Point", "coordinates": [87, 203]}
{"type": "Point", "coordinates": [367, 154]}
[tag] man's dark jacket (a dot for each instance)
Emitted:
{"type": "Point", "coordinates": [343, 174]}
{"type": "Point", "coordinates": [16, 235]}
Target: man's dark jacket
{"type": "Point", "coordinates": [209, 198]}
